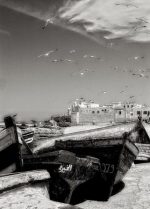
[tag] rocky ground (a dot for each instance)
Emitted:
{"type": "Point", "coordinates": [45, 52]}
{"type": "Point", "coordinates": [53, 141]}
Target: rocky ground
{"type": "Point", "coordinates": [134, 195]}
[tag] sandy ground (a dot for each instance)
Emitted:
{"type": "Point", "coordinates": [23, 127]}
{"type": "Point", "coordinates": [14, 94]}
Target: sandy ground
{"type": "Point", "coordinates": [73, 129]}
{"type": "Point", "coordinates": [135, 194]}
{"type": "Point", "coordinates": [30, 198]}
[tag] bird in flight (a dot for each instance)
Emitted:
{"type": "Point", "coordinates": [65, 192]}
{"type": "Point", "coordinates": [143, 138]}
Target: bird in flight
{"type": "Point", "coordinates": [47, 22]}
{"type": "Point", "coordinates": [141, 19]}
{"type": "Point", "coordinates": [122, 91]}
{"type": "Point", "coordinates": [131, 97]}
{"type": "Point", "coordinates": [136, 58]}
{"type": "Point", "coordinates": [126, 4]}
{"type": "Point", "coordinates": [139, 27]}
{"type": "Point", "coordinates": [72, 51]}
{"type": "Point", "coordinates": [68, 60]}
{"type": "Point", "coordinates": [85, 56]}
{"type": "Point", "coordinates": [47, 53]}
{"type": "Point", "coordinates": [55, 60]}
{"type": "Point", "coordinates": [141, 75]}
{"type": "Point", "coordinates": [104, 92]}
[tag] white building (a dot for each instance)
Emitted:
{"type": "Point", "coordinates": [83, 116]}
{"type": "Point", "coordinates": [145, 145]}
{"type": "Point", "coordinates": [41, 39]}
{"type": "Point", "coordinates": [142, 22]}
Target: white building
{"type": "Point", "coordinates": [83, 112]}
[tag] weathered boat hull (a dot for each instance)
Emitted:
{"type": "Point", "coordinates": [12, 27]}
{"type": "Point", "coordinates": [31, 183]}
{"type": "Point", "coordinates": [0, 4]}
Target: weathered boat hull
{"type": "Point", "coordinates": [114, 132]}
{"type": "Point", "coordinates": [116, 158]}
{"type": "Point", "coordinates": [143, 144]}
{"type": "Point", "coordinates": [67, 172]}
{"type": "Point", "coordinates": [9, 148]}
{"type": "Point", "coordinates": [144, 152]}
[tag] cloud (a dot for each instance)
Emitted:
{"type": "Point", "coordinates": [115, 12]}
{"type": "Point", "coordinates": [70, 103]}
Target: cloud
{"type": "Point", "coordinates": [131, 23]}
{"type": "Point", "coordinates": [4, 32]}
{"type": "Point", "coordinates": [101, 20]}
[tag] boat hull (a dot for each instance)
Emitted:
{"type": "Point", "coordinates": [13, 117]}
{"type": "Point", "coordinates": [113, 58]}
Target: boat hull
{"type": "Point", "coordinates": [67, 172]}
{"type": "Point", "coordinates": [115, 160]}
{"type": "Point", "coordinates": [9, 148]}
{"type": "Point", "coordinates": [112, 147]}
{"type": "Point", "coordinates": [144, 152]}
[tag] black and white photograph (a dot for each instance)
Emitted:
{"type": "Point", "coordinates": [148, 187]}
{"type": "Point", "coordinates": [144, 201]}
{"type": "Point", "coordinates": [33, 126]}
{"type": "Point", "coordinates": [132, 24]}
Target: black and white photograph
{"type": "Point", "coordinates": [74, 104]}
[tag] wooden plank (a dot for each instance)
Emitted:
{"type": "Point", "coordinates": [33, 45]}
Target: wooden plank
{"type": "Point", "coordinates": [7, 138]}
{"type": "Point", "coordinates": [12, 181]}
{"type": "Point", "coordinates": [27, 146]}
{"type": "Point", "coordinates": [11, 168]}
{"type": "Point", "coordinates": [133, 149]}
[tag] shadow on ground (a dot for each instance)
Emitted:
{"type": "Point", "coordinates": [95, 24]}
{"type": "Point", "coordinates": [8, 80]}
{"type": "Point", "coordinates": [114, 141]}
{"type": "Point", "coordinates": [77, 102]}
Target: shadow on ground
{"type": "Point", "coordinates": [94, 189]}
{"type": "Point", "coordinates": [118, 188]}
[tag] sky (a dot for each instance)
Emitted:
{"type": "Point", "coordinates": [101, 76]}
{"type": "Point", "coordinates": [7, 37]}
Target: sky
{"type": "Point", "coordinates": [55, 51]}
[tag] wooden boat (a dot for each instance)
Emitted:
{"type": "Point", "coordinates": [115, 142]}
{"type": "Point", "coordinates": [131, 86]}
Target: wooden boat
{"type": "Point", "coordinates": [9, 148]}
{"type": "Point", "coordinates": [144, 152]}
{"type": "Point", "coordinates": [28, 136]}
{"type": "Point", "coordinates": [67, 172]}
{"type": "Point", "coordinates": [112, 146]}
{"type": "Point", "coordinates": [116, 156]}
{"type": "Point", "coordinates": [140, 135]}
{"type": "Point", "coordinates": [143, 144]}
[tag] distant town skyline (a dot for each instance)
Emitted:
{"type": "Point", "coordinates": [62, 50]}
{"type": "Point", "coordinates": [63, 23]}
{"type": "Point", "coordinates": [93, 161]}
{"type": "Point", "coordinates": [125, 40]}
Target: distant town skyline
{"type": "Point", "coordinates": [43, 70]}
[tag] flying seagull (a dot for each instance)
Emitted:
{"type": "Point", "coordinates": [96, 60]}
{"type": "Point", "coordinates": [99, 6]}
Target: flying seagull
{"type": "Point", "coordinates": [126, 4]}
{"type": "Point", "coordinates": [48, 53]}
{"type": "Point", "coordinates": [131, 97]}
{"type": "Point", "coordinates": [142, 20]}
{"type": "Point", "coordinates": [72, 51]}
{"type": "Point", "coordinates": [48, 21]}
{"type": "Point", "coordinates": [141, 75]}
